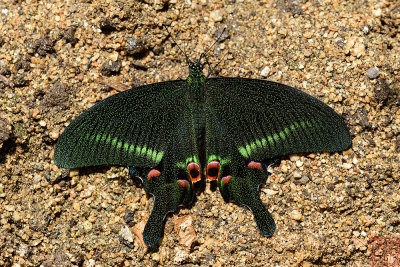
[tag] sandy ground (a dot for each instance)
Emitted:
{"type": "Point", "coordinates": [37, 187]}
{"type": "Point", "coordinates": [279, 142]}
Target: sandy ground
{"type": "Point", "coordinates": [58, 58]}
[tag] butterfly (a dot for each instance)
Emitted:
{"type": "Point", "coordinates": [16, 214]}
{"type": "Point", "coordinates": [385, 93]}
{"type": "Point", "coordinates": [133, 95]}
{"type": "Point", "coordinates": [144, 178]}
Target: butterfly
{"type": "Point", "coordinates": [174, 134]}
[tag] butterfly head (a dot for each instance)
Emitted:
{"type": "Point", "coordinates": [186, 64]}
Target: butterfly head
{"type": "Point", "coordinates": [196, 67]}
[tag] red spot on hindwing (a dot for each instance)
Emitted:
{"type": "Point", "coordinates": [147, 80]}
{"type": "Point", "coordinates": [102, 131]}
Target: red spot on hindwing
{"type": "Point", "coordinates": [194, 172]}
{"type": "Point", "coordinates": [226, 179]}
{"type": "Point", "coordinates": [153, 174]}
{"type": "Point", "coordinates": [183, 183]}
{"type": "Point", "coordinates": [213, 169]}
{"type": "Point", "coordinates": [255, 165]}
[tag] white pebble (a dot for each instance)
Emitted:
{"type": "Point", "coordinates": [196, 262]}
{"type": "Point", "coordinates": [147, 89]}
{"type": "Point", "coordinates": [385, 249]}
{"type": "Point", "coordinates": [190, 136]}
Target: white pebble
{"type": "Point", "coordinates": [299, 163]}
{"type": "Point", "coordinates": [265, 72]}
{"type": "Point", "coordinates": [347, 166]}
{"type": "Point", "coordinates": [126, 234]}
{"type": "Point", "coordinates": [216, 15]}
{"type": "Point", "coordinates": [270, 192]}
{"type": "Point", "coordinates": [296, 174]}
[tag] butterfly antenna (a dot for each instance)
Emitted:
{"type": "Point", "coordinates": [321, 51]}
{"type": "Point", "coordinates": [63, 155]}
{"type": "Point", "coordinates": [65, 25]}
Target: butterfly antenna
{"type": "Point", "coordinates": [203, 55]}
{"type": "Point", "coordinates": [216, 40]}
{"type": "Point", "coordinates": [197, 41]}
{"type": "Point", "coordinates": [212, 69]}
{"type": "Point", "coordinates": [182, 50]}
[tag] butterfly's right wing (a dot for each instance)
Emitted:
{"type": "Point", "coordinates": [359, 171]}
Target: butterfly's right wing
{"type": "Point", "coordinates": [236, 181]}
{"type": "Point", "coordinates": [257, 120]}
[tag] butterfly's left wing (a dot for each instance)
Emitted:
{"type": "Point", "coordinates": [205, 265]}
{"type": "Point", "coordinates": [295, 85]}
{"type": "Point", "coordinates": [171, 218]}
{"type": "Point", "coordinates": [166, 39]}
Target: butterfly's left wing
{"type": "Point", "coordinates": [169, 195]}
{"type": "Point", "coordinates": [259, 120]}
{"type": "Point", "coordinates": [149, 128]}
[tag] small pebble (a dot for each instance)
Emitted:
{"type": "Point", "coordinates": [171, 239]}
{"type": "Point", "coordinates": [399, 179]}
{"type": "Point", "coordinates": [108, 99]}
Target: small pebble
{"type": "Point", "coordinates": [296, 215]}
{"type": "Point", "coordinates": [216, 15]}
{"type": "Point", "coordinates": [296, 174]}
{"type": "Point", "coordinates": [284, 168]}
{"type": "Point", "coordinates": [180, 256]}
{"type": "Point", "coordinates": [76, 206]}
{"type": "Point", "coordinates": [372, 73]}
{"type": "Point", "coordinates": [304, 180]}
{"type": "Point", "coordinates": [87, 225]}
{"type": "Point", "coordinates": [126, 234]}
{"type": "Point", "coordinates": [73, 173]}
{"type": "Point", "coordinates": [265, 72]}
{"type": "Point", "coordinates": [347, 166]}
{"type": "Point", "coordinates": [54, 134]}
{"type": "Point", "coordinates": [17, 216]}
{"type": "Point", "coordinates": [35, 112]}
{"type": "Point", "coordinates": [155, 257]}
{"type": "Point", "coordinates": [270, 192]}
{"type": "Point", "coordinates": [86, 194]}
{"type": "Point", "coordinates": [9, 208]}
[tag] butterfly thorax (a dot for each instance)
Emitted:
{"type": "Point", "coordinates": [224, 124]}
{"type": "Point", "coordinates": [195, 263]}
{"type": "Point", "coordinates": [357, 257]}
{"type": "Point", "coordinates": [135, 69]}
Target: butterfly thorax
{"type": "Point", "coordinates": [196, 86]}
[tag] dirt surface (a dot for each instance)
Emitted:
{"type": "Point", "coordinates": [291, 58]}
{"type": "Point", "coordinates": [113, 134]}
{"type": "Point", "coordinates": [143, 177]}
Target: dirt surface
{"type": "Point", "coordinates": [58, 58]}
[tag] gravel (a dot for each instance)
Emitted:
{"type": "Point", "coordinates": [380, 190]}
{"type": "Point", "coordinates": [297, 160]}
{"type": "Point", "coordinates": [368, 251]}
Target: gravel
{"type": "Point", "coordinates": [51, 58]}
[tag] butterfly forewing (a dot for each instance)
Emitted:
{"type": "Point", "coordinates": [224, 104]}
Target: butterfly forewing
{"type": "Point", "coordinates": [132, 128]}
{"type": "Point", "coordinates": [266, 119]}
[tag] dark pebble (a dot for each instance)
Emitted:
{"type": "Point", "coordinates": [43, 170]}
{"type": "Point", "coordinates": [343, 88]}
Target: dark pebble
{"type": "Point", "coordinates": [69, 35]}
{"type": "Point", "coordinates": [20, 80]}
{"type": "Point", "coordinates": [135, 47]}
{"type": "Point", "coordinates": [44, 46]}
{"type": "Point", "coordinates": [107, 26]}
{"type": "Point", "coordinates": [110, 68]}
{"type": "Point", "coordinates": [129, 218]}
{"type": "Point", "coordinates": [304, 180]}
{"type": "Point", "coordinates": [58, 95]}
{"type": "Point", "coordinates": [24, 63]}
{"type": "Point", "coordinates": [4, 70]}
{"type": "Point", "coordinates": [4, 132]}
{"type": "Point", "coordinates": [381, 91]}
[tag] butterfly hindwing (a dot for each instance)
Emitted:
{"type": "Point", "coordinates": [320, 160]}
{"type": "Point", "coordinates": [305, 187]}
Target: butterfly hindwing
{"type": "Point", "coordinates": [236, 180]}
{"type": "Point", "coordinates": [172, 187]}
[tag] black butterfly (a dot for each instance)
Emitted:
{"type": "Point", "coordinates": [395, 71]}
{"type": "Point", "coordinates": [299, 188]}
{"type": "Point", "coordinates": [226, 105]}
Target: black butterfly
{"type": "Point", "coordinates": [231, 128]}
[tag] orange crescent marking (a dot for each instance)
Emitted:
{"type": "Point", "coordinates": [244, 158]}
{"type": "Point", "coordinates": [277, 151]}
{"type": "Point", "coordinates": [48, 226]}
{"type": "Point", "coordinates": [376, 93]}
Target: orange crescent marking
{"type": "Point", "coordinates": [194, 166]}
{"type": "Point", "coordinates": [255, 165]}
{"type": "Point", "coordinates": [213, 164]}
{"type": "Point", "coordinates": [226, 179]}
{"type": "Point", "coordinates": [153, 173]}
{"type": "Point", "coordinates": [183, 183]}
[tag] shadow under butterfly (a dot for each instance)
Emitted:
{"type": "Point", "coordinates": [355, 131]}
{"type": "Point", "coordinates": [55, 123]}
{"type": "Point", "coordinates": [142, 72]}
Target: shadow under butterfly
{"type": "Point", "coordinates": [170, 133]}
